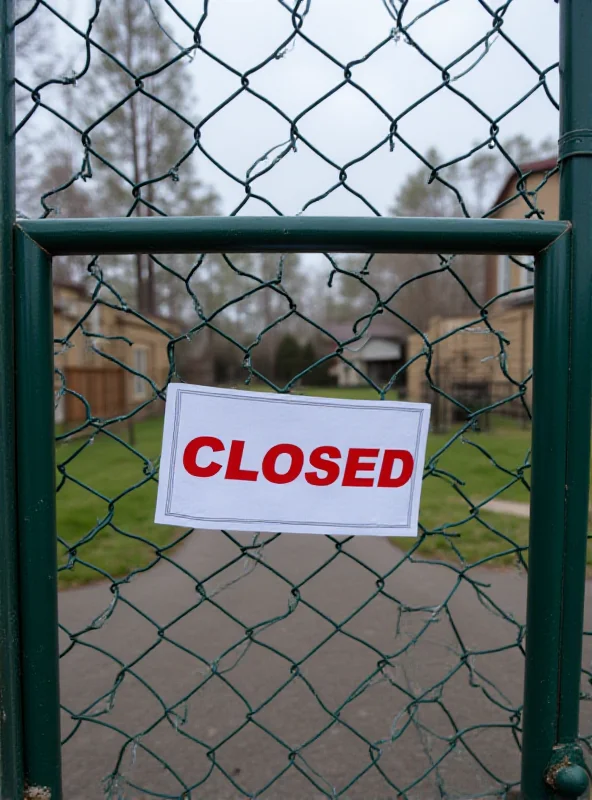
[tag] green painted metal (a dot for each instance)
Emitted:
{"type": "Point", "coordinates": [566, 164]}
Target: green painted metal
{"type": "Point", "coordinates": [545, 580]}
{"type": "Point", "coordinates": [561, 446]}
{"type": "Point", "coordinates": [571, 781]}
{"type": "Point", "coordinates": [551, 760]}
{"type": "Point", "coordinates": [566, 774]}
{"type": "Point", "coordinates": [576, 204]}
{"type": "Point", "coordinates": [291, 234]}
{"type": "Point", "coordinates": [11, 777]}
{"type": "Point", "coordinates": [36, 516]}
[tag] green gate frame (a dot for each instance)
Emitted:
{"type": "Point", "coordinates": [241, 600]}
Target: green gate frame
{"type": "Point", "coordinates": [552, 762]}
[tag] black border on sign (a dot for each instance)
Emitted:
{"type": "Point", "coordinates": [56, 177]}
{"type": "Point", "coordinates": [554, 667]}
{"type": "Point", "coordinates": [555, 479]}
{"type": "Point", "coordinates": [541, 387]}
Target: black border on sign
{"type": "Point", "coordinates": [286, 399]}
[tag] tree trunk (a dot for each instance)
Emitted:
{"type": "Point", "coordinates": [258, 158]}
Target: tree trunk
{"type": "Point", "coordinates": [133, 108]}
{"type": "Point", "coordinates": [151, 305]}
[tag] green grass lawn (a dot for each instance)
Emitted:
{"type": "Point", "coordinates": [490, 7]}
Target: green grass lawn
{"type": "Point", "coordinates": [350, 393]}
{"type": "Point", "coordinates": [469, 471]}
{"type": "Point", "coordinates": [114, 526]}
{"type": "Point", "coordinates": [106, 504]}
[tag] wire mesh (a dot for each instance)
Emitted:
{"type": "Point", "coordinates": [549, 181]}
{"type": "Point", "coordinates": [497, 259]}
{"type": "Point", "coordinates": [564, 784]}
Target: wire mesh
{"type": "Point", "coordinates": [212, 664]}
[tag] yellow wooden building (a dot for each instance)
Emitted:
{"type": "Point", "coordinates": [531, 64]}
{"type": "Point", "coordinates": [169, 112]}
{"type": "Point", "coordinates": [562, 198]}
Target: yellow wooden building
{"type": "Point", "coordinates": [469, 365]}
{"type": "Point", "coordinates": [98, 354]}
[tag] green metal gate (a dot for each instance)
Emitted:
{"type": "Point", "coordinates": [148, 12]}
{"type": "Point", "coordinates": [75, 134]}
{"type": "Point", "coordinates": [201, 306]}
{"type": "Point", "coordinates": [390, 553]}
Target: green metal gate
{"type": "Point", "coordinates": [546, 726]}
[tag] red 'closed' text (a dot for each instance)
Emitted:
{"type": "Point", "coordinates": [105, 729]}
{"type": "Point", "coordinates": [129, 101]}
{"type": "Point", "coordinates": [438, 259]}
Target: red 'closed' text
{"type": "Point", "coordinates": [206, 456]}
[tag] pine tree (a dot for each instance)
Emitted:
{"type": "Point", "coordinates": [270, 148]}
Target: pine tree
{"type": "Point", "coordinates": [317, 375]}
{"type": "Point", "coordinates": [288, 359]}
{"type": "Point", "coordinates": [283, 278]}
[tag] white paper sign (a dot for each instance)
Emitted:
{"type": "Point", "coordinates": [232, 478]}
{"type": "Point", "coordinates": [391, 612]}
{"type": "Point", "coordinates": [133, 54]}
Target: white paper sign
{"type": "Point", "coordinates": [256, 461]}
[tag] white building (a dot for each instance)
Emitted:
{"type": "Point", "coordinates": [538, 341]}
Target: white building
{"type": "Point", "coordinates": [378, 354]}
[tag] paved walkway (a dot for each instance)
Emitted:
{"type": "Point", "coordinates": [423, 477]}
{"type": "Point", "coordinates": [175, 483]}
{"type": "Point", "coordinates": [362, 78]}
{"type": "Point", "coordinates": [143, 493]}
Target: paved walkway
{"type": "Point", "coordinates": [509, 507]}
{"type": "Point", "coordinates": [252, 757]}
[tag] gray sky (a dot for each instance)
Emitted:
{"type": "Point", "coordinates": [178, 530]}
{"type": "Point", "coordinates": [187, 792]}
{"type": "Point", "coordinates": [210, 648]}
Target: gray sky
{"type": "Point", "coordinates": [244, 32]}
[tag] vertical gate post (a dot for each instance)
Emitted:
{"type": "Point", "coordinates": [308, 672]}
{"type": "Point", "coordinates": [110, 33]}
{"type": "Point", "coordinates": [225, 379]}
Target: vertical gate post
{"type": "Point", "coordinates": [575, 154]}
{"type": "Point", "coordinates": [552, 761]}
{"type": "Point", "coordinates": [11, 776]}
{"type": "Point", "coordinates": [547, 516]}
{"type": "Point", "coordinates": [36, 517]}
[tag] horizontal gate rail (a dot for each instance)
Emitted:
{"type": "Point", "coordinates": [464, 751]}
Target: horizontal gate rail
{"type": "Point", "coordinates": [291, 234]}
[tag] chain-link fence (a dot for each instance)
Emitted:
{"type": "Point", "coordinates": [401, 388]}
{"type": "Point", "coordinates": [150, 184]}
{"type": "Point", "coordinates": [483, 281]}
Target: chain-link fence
{"type": "Point", "coordinates": [211, 664]}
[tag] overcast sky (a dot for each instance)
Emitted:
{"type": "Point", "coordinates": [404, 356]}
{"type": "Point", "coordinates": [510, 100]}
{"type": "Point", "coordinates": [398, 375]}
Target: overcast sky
{"type": "Point", "coordinates": [243, 33]}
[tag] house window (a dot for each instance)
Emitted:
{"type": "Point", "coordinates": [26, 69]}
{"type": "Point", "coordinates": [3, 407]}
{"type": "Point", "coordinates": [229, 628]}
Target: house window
{"type": "Point", "coordinates": [526, 275]}
{"type": "Point", "coordinates": [503, 274]}
{"type": "Point", "coordinates": [96, 326]}
{"type": "Point", "coordinates": [140, 364]}
{"type": "Point", "coordinates": [98, 319]}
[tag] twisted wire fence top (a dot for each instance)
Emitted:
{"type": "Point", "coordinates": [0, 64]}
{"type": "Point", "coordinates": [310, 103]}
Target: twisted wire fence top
{"type": "Point", "coordinates": [271, 666]}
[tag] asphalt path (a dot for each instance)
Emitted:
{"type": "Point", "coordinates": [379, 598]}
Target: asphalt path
{"type": "Point", "coordinates": [428, 599]}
